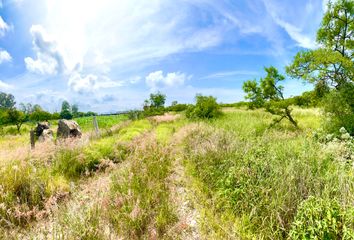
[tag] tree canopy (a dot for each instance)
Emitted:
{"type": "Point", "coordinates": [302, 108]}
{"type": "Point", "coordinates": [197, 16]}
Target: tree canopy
{"type": "Point", "coordinates": [7, 101]}
{"type": "Point", "coordinates": [332, 63]}
{"type": "Point", "coordinates": [157, 99]}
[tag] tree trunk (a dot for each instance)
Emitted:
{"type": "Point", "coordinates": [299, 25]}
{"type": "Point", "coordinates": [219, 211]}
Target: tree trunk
{"type": "Point", "coordinates": [291, 119]}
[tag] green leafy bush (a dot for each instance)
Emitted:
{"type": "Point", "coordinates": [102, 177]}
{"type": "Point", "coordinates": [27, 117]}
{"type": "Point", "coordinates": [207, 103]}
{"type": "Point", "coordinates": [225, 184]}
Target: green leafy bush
{"type": "Point", "coordinates": [339, 106]}
{"type": "Point", "coordinates": [318, 218]}
{"type": "Point", "coordinates": [206, 107]}
{"type": "Point", "coordinates": [179, 107]}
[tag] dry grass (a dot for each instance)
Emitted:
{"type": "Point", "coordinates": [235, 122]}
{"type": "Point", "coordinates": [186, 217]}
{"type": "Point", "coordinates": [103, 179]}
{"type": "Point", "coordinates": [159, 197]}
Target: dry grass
{"type": "Point", "coordinates": [167, 117]}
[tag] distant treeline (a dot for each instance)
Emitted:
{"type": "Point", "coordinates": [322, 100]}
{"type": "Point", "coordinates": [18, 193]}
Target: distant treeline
{"type": "Point", "coordinates": [12, 115]}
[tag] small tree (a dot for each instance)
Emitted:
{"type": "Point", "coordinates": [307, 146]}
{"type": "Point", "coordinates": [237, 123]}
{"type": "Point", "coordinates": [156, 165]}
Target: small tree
{"type": "Point", "coordinates": [66, 110]}
{"type": "Point", "coordinates": [16, 117]}
{"type": "Point", "coordinates": [206, 107]}
{"type": "Point", "coordinates": [331, 66]}
{"type": "Point", "coordinates": [157, 100]}
{"type": "Point", "coordinates": [271, 93]}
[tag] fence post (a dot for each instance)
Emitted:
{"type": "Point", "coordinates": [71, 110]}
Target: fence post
{"type": "Point", "coordinates": [32, 139]}
{"type": "Point", "coordinates": [95, 124]}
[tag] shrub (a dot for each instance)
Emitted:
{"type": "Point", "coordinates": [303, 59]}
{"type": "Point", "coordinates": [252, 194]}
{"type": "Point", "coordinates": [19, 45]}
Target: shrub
{"type": "Point", "coordinates": [135, 115]}
{"type": "Point", "coordinates": [179, 107]}
{"type": "Point", "coordinates": [206, 107]}
{"type": "Point", "coordinates": [319, 218]}
{"type": "Point", "coordinates": [153, 111]}
{"type": "Point", "coordinates": [339, 106]}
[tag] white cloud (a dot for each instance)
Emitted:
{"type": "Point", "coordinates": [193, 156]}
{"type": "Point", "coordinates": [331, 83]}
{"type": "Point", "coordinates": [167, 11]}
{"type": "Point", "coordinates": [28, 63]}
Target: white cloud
{"type": "Point", "coordinates": [90, 83]}
{"type": "Point", "coordinates": [230, 74]}
{"type": "Point", "coordinates": [5, 56]}
{"type": "Point", "coordinates": [49, 58]}
{"type": "Point", "coordinates": [127, 33]}
{"type": "Point", "coordinates": [158, 79]}
{"type": "Point", "coordinates": [135, 80]}
{"type": "Point", "coordinates": [5, 86]}
{"type": "Point", "coordinates": [4, 27]}
{"type": "Point", "coordinates": [296, 34]}
{"type": "Point", "coordinates": [297, 24]}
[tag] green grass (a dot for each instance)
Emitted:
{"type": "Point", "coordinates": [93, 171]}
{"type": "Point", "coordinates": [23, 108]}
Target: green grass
{"type": "Point", "coordinates": [140, 206]}
{"type": "Point", "coordinates": [104, 122]}
{"type": "Point", "coordinates": [134, 129]}
{"type": "Point", "coordinates": [26, 184]}
{"type": "Point", "coordinates": [260, 176]}
{"type": "Point", "coordinates": [249, 181]}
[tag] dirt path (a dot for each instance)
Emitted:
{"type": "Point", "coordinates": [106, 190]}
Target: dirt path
{"type": "Point", "coordinates": [187, 226]}
{"type": "Point", "coordinates": [182, 198]}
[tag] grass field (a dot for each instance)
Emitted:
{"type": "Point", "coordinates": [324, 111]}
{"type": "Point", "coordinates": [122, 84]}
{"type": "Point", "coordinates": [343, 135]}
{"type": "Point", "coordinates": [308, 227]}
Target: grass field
{"type": "Point", "coordinates": [228, 178]}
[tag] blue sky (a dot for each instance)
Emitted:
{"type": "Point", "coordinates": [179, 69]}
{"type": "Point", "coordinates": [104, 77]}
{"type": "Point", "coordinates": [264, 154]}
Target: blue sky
{"type": "Point", "coordinates": [108, 55]}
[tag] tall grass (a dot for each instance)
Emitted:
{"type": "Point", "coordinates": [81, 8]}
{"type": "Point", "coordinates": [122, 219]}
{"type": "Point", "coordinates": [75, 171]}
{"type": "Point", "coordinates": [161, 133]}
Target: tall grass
{"type": "Point", "coordinates": [261, 176]}
{"type": "Point", "coordinates": [140, 205]}
{"type": "Point", "coordinates": [28, 183]}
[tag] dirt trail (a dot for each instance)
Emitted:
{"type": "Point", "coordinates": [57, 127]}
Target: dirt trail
{"type": "Point", "coordinates": [182, 198]}
{"type": "Point", "coordinates": [187, 226]}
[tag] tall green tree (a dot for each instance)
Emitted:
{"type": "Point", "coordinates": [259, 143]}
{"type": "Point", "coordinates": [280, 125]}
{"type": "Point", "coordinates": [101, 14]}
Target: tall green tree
{"type": "Point", "coordinates": [65, 112]}
{"type": "Point", "coordinates": [157, 100]}
{"type": "Point", "coordinates": [270, 93]}
{"type": "Point", "coordinates": [332, 63]}
{"type": "Point", "coordinates": [7, 101]}
{"type": "Point", "coordinates": [331, 66]}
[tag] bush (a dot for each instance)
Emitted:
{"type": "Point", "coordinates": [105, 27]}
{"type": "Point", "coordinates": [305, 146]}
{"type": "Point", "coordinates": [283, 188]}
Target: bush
{"type": "Point", "coordinates": [153, 111]}
{"type": "Point", "coordinates": [205, 107]}
{"type": "Point", "coordinates": [317, 218]}
{"type": "Point", "coordinates": [339, 107]}
{"type": "Point", "coordinates": [177, 107]}
{"type": "Point", "coordinates": [135, 115]}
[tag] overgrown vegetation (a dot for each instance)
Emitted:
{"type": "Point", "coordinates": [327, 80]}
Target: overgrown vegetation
{"type": "Point", "coordinates": [244, 179]}
{"type": "Point", "coordinates": [275, 170]}
{"type": "Point", "coordinates": [140, 206]}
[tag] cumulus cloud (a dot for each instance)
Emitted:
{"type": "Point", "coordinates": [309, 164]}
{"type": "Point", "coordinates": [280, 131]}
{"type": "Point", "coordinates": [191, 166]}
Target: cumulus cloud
{"type": "Point", "coordinates": [90, 83]}
{"type": "Point", "coordinates": [4, 27]}
{"type": "Point", "coordinates": [158, 79]}
{"type": "Point", "coordinates": [49, 58]}
{"type": "Point", "coordinates": [5, 56]}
